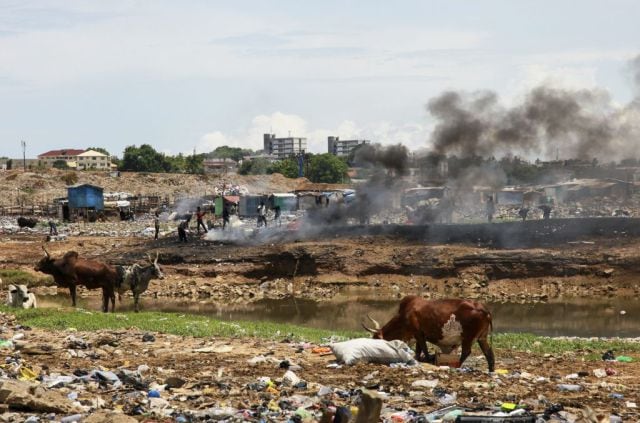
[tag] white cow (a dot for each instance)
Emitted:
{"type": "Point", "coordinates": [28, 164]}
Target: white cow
{"type": "Point", "coordinates": [136, 278]}
{"type": "Point", "coordinates": [19, 296]}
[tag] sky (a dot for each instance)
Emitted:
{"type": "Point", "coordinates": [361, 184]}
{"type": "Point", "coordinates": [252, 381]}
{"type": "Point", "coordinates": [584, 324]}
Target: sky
{"type": "Point", "coordinates": [199, 74]}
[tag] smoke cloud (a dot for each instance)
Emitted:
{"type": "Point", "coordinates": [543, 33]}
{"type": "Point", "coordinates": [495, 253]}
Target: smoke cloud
{"type": "Point", "coordinates": [547, 121]}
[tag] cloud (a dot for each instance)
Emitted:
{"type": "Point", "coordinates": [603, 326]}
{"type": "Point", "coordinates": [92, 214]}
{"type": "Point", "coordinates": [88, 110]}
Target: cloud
{"type": "Point", "coordinates": [413, 135]}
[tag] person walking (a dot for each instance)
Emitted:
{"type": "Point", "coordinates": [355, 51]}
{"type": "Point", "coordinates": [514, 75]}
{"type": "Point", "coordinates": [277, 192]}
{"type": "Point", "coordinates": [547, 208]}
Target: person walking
{"type": "Point", "coordinates": [225, 217]}
{"type": "Point", "coordinates": [182, 231]}
{"type": "Point", "coordinates": [156, 223]}
{"type": "Point", "coordinates": [262, 214]}
{"type": "Point", "coordinates": [491, 209]}
{"type": "Point", "coordinates": [53, 229]}
{"type": "Point", "coordinates": [200, 222]}
{"type": "Point", "coordinates": [277, 219]}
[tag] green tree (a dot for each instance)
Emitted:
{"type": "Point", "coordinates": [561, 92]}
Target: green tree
{"type": "Point", "coordinates": [226, 152]}
{"type": "Point", "coordinates": [144, 159]}
{"type": "Point", "coordinates": [60, 164]}
{"type": "Point", "coordinates": [327, 168]}
{"type": "Point", "coordinates": [257, 166]}
{"type": "Point", "coordinates": [193, 163]}
{"type": "Point", "coordinates": [287, 167]}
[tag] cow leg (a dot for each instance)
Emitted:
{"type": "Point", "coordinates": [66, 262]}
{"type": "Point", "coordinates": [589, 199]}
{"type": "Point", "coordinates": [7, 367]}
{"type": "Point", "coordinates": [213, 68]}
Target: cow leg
{"type": "Point", "coordinates": [136, 299]}
{"type": "Point", "coordinates": [421, 346]}
{"type": "Point", "coordinates": [488, 353]}
{"type": "Point", "coordinates": [466, 350]}
{"type": "Point", "coordinates": [105, 300]}
{"type": "Point", "coordinates": [72, 292]}
{"type": "Point", "coordinates": [112, 295]}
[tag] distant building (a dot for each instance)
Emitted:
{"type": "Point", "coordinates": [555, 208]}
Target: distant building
{"type": "Point", "coordinates": [220, 166]}
{"type": "Point", "coordinates": [77, 159]}
{"type": "Point", "coordinates": [284, 147]}
{"type": "Point", "coordinates": [92, 159]}
{"type": "Point", "coordinates": [342, 148]}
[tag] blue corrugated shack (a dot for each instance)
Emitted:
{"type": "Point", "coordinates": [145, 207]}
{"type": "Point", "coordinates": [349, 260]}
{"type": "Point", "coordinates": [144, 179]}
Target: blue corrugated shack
{"type": "Point", "coordinates": [85, 196]}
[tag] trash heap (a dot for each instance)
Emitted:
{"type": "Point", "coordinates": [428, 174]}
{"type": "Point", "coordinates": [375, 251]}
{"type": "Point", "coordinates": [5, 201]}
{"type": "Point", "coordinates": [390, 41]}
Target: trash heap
{"type": "Point", "coordinates": [131, 375]}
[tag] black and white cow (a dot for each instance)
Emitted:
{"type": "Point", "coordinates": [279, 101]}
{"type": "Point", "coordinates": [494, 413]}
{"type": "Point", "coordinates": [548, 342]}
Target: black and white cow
{"type": "Point", "coordinates": [19, 296]}
{"type": "Point", "coordinates": [136, 278]}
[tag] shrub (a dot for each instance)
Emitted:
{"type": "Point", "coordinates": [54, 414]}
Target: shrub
{"type": "Point", "coordinates": [70, 178]}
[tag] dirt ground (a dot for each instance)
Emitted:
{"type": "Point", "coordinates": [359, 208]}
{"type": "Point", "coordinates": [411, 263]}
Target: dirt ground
{"type": "Point", "coordinates": [211, 375]}
{"type": "Point", "coordinates": [385, 267]}
{"type": "Point", "coordinates": [378, 266]}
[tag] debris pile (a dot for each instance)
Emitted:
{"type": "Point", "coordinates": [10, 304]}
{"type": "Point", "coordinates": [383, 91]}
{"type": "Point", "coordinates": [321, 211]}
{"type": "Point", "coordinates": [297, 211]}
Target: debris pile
{"type": "Point", "coordinates": [127, 374]}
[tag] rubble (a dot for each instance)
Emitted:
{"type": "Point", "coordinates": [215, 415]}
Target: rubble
{"type": "Point", "coordinates": [211, 379]}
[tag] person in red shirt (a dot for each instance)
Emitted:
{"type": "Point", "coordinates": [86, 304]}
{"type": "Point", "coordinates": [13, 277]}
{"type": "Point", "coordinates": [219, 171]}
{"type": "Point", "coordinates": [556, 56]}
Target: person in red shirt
{"type": "Point", "coordinates": [199, 216]}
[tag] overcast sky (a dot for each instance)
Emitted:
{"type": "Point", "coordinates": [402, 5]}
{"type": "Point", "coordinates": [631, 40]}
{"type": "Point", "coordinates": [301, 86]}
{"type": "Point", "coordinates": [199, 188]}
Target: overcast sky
{"type": "Point", "coordinates": [187, 74]}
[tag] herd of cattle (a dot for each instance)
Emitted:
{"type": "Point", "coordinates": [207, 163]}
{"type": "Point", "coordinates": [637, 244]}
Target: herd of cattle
{"type": "Point", "coordinates": [449, 323]}
{"type": "Point", "coordinates": [70, 270]}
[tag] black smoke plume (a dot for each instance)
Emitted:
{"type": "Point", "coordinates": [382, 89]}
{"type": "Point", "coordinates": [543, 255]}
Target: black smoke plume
{"type": "Point", "coordinates": [547, 122]}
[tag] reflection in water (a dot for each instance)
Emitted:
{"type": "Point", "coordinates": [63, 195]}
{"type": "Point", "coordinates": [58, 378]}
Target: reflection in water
{"type": "Point", "coordinates": [575, 317]}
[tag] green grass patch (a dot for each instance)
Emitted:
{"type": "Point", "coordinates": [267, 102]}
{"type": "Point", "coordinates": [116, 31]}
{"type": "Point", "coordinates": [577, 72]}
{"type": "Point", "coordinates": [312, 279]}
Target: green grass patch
{"type": "Point", "coordinates": [203, 326]}
{"type": "Point", "coordinates": [173, 323]}
{"type": "Point", "coordinates": [544, 345]}
{"type": "Point", "coordinates": [20, 277]}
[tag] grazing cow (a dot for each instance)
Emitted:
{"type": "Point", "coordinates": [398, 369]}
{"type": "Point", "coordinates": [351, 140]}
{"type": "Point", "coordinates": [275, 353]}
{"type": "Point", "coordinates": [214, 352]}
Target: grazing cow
{"type": "Point", "coordinates": [71, 271]}
{"type": "Point", "coordinates": [136, 278]}
{"type": "Point", "coordinates": [20, 297]}
{"type": "Point", "coordinates": [445, 323]}
{"type": "Point", "coordinates": [27, 222]}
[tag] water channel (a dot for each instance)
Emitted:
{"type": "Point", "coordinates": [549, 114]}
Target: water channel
{"type": "Point", "coordinates": [566, 317]}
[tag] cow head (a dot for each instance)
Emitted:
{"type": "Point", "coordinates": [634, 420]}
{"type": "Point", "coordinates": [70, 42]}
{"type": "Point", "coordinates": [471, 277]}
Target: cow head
{"type": "Point", "coordinates": [20, 297]}
{"type": "Point", "coordinates": [157, 270]}
{"type": "Point", "coordinates": [377, 331]}
{"type": "Point", "coordinates": [45, 264]}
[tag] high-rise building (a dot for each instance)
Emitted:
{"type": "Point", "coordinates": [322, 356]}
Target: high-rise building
{"type": "Point", "coordinates": [284, 147]}
{"type": "Point", "coordinates": [339, 147]}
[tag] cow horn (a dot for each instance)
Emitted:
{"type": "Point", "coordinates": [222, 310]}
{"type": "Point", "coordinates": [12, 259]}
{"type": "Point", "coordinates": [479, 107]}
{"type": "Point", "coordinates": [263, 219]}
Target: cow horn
{"type": "Point", "coordinates": [156, 260]}
{"type": "Point", "coordinates": [46, 253]}
{"type": "Point", "coordinates": [368, 329]}
{"type": "Point", "coordinates": [149, 258]}
{"type": "Point", "coordinates": [377, 325]}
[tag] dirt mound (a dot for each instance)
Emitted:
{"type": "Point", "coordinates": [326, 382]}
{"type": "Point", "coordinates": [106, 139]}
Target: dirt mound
{"type": "Point", "coordinates": [30, 188]}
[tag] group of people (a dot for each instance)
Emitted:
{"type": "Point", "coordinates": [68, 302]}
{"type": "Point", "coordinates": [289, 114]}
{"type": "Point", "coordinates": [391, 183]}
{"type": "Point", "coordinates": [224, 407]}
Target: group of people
{"type": "Point", "coordinates": [262, 215]}
{"type": "Point", "coordinates": [523, 212]}
{"type": "Point", "coordinates": [200, 222]}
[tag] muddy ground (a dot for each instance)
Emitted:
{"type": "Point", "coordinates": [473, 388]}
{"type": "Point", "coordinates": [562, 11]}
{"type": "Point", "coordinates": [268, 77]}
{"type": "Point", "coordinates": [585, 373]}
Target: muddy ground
{"type": "Point", "coordinates": [318, 269]}
{"type": "Point", "coordinates": [377, 266]}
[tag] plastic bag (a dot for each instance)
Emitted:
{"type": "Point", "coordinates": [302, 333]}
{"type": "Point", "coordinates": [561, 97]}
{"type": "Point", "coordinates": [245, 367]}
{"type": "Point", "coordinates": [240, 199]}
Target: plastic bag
{"type": "Point", "coordinates": [372, 351]}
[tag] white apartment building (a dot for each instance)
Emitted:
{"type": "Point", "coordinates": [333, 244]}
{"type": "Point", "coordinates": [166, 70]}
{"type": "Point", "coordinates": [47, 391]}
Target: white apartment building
{"type": "Point", "coordinates": [342, 148]}
{"type": "Point", "coordinates": [284, 147]}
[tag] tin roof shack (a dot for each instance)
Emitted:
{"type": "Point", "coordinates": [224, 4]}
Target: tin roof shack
{"type": "Point", "coordinates": [248, 205]}
{"type": "Point", "coordinates": [222, 201]}
{"type": "Point", "coordinates": [583, 189]}
{"type": "Point", "coordinates": [85, 201]}
{"type": "Point", "coordinates": [413, 196]}
{"type": "Point", "coordinates": [510, 197]}
{"type": "Point", "coordinates": [288, 202]}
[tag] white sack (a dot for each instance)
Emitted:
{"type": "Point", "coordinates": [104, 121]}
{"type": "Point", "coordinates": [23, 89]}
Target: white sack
{"type": "Point", "coordinates": [372, 351]}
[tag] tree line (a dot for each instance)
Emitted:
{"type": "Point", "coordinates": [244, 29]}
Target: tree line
{"type": "Point", "coordinates": [324, 168]}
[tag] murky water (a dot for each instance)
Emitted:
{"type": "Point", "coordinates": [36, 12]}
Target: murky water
{"type": "Point", "coordinates": [572, 317]}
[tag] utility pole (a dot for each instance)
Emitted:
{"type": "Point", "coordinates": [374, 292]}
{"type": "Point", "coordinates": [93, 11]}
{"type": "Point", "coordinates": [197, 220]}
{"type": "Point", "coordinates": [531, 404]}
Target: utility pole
{"type": "Point", "coordinates": [23, 143]}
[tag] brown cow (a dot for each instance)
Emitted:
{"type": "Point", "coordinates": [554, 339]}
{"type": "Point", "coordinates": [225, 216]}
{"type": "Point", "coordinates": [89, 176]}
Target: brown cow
{"type": "Point", "coordinates": [446, 323]}
{"type": "Point", "coordinates": [70, 271]}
